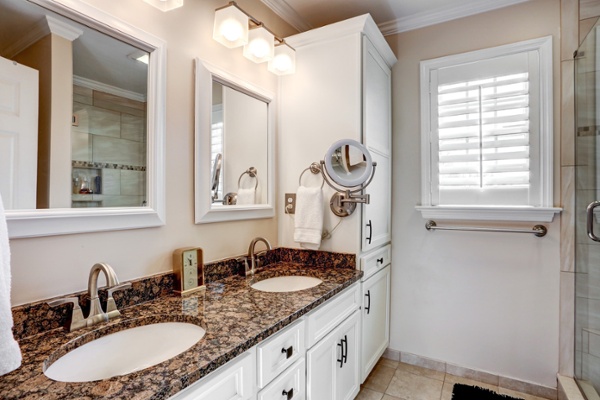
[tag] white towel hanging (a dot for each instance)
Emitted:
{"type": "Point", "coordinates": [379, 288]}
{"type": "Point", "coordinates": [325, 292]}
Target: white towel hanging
{"type": "Point", "coordinates": [10, 353]}
{"type": "Point", "coordinates": [309, 217]}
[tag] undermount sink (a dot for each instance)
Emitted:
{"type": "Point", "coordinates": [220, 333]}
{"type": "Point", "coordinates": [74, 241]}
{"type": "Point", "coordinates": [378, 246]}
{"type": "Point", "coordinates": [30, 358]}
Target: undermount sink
{"type": "Point", "coordinates": [125, 352]}
{"type": "Point", "coordinates": [286, 284]}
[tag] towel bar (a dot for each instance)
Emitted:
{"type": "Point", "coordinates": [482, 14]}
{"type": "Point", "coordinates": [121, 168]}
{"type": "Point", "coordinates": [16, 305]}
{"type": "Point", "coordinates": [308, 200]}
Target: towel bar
{"type": "Point", "coordinates": [537, 230]}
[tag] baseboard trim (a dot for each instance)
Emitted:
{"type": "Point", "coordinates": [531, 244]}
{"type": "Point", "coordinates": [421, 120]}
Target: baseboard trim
{"type": "Point", "coordinates": [482, 376]}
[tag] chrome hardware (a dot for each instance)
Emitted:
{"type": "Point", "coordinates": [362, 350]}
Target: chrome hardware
{"type": "Point", "coordinates": [288, 352]}
{"type": "Point", "coordinates": [537, 230]}
{"type": "Point", "coordinates": [96, 314]}
{"type": "Point", "coordinates": [252, 256]}
{"type": "Point", "coordinates": [368, 296]}
{"type": "Point", "coordinates": [252, 173]}
{"type": "Point", "coordinates": [590, 220]}
{"type": "Point", "coordinates": [288, 393]}
{"type": "Point", "coordinates": [314, 168]}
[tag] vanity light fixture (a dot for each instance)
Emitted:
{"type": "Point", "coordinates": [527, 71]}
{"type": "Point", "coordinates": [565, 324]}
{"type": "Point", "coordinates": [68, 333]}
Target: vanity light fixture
{"type": "Point", "coordinates": [260, 47]}
{"type": "Point", "coordinates": [165, 5]}
{"type": "Point", "coordinates": [232, 29]}
{"type": "Point", "coordinates": [284, 60]}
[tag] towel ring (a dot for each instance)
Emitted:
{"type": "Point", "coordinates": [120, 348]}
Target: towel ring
{"type": "Point", "coordinates": [315, 168]}
{"type": "Point", "coordinates": [252, 173]}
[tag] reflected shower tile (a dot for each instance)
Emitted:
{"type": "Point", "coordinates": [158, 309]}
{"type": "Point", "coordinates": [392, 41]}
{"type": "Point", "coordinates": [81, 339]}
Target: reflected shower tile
{"type": "Point", "coordinates": [111, 181]}
{"type": "Point", "coordinates": [117, 151]}
{"type": "Point", "coordinates": [82, 99]}
{"type": "Point", "coordinates": [590, 368]}
{"type": "Point", "coordinates": [118, 100]}
{"type": "Point", "coordinates": [133, 127]}
{"type": "Point", "coordinates": [118, 108]}
{"type": "Point", "coordinates": [81, 146]}
{"type": "Point", "coordinates": [97, 121]}
{"type": "Point", "coordinates": [133, 183]}
{"type": "Point", "coordinates": [122, 201]}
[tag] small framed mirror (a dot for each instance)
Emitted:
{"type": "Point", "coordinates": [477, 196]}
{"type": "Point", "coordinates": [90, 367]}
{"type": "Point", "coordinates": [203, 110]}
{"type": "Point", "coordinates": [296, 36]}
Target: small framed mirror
{"type": "Point", "coordinates": [97, 126]}
{"type": "Point", "coordinates": [233, 149]}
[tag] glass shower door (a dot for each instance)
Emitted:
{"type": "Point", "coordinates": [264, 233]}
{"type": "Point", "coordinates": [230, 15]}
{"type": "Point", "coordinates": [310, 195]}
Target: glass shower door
{"type": "Point", "coordinates": [587, 224]}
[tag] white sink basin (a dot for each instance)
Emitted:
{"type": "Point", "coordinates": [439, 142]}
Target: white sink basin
{"type": "Point", "coordinates": [286, 283]}
{"type": "Point", "coordinates": [125, 352]}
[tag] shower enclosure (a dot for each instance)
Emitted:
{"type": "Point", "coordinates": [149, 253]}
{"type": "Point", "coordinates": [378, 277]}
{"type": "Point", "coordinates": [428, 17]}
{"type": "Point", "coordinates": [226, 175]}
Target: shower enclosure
{"type": "Point", "coordinates": [587, 224]}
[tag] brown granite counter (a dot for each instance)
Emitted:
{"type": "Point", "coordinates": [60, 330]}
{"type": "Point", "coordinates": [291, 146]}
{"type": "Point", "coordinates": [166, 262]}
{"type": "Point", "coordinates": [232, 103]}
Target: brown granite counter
{"type": "Point", "coordinates": [235, 317]}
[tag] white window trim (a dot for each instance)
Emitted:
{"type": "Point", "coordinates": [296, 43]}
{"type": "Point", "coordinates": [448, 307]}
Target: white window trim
{"type": "Point", "coordinates": [546, 212]}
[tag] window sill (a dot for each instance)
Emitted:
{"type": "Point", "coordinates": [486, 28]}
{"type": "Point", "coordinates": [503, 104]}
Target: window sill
{"type": "Point", "coordinates": [482, 213]}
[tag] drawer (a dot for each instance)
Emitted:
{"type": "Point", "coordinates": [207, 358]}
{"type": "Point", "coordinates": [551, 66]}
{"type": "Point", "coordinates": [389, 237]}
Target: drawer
{"type": "Point", "coordinates": [234, 380]}
{"type": "Point", "coordinates": [279, 352]}
{"type": "Point", "coordinates": [376, 260]}
{"type": "Point", "coordinates": [292, 381]}
{"type": "Point", "coordinates": [329, 315]}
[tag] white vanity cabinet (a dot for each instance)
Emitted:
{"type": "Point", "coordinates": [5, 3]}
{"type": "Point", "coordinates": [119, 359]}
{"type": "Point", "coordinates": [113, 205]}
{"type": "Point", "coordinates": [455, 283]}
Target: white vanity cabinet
{"type": "Point", "coordinates": [235, 380]}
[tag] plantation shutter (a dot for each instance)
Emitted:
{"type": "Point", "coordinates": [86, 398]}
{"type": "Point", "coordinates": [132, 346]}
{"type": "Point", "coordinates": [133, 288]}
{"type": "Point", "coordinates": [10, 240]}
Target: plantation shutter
{"type": "Point", "coordinates": [484, 135]}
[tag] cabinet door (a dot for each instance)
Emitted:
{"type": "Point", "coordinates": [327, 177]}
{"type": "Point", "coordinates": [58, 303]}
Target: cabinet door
{"type": "Point", "coordinates": [377, 100]}
{"type": "Point", "coordinates": [375, 319]}
{"type": "Point", "coordinates": [332, 367]}
{"type": "Point", "coordinates": [377, 215]}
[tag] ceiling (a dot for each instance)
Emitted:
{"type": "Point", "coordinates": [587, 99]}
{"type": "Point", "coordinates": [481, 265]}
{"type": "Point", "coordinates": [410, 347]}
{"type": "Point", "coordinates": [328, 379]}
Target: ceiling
{"type": "Point", "coordinates": [392, 16]}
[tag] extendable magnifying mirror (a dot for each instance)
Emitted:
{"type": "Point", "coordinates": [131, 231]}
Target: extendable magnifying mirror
{"type": "Point", "coordinates": [348, 169]}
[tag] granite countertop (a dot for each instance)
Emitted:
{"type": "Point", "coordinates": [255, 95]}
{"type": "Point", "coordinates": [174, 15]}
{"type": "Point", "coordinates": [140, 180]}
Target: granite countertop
{"type": "Point", "coordinates": [235, 317]}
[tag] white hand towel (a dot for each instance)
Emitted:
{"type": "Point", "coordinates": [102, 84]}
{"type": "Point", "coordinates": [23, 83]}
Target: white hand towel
{"type": "Point", "coordinates": [10, 353]}
{"type": "Point", "coordinates": [309, 217]}
{"type": "Point", "coordinates": [246, 196]}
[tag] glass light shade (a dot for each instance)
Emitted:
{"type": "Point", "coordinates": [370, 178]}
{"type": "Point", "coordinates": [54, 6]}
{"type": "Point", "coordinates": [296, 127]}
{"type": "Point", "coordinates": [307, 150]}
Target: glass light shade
{"type": "Point", "coordinates": [260, 47]}
{"type": "Point", "coordinates": [284, 60]}
{"type": "Point", "coordinates": [165, 5]}
{"type": "Point", "coordinates": [231, 27]}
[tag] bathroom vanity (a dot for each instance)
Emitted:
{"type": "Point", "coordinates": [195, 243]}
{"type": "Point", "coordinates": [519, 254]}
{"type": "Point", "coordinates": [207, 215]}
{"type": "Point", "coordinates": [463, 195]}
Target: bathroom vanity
{"type": "Point", "coordinates": [255, 343]}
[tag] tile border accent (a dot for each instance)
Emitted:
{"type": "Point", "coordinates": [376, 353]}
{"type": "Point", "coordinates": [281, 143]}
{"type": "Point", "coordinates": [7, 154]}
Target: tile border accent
{"type": "Point", "coordinates": [101, 165]}
{"type": "Point", "coordinates": [482, 376]}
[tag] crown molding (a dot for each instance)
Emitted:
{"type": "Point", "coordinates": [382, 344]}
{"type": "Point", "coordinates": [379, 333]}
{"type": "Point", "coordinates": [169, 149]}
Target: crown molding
{"type": "Point", "coordinates": [35, 33]}
{"type": "Point", "coordinates": [102, 87]}
{"type": "Point", "coordinates": [288, 14]}
{"type": "Point", "coordinates": [423, 19]}
{"type": "Point", "coordinates": [63, 29]}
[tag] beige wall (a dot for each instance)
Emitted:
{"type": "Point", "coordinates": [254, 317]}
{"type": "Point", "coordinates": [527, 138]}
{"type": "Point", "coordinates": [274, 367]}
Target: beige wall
{"type": "Point", "coordinates": [489, 301]}
{"type": "Point", "coordinates": [51, 266]}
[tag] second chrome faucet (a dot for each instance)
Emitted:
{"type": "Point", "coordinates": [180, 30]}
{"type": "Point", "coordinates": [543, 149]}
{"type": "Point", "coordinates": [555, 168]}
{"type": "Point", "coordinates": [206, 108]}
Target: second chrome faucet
{"type": "Point", "coordinates": [251, 259]}
{"type": "Point", "coordinates": [96, 314]}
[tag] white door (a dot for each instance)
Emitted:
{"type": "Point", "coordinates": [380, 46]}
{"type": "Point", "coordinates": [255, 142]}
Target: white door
{"type": "Point", "coordinates": [18, 134]}
{"type": "Point", "coordinates": [377, 215]}
{"type": "Point", "coordinates": [348, 379]}
{"type": "Point", "coordinates": [375, 319]}
{"type": "Point", "coordinates": [321, 365]}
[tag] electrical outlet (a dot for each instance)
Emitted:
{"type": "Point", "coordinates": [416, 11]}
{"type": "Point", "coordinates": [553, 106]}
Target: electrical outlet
{"type": "Point", "coordinates": [290, 203]}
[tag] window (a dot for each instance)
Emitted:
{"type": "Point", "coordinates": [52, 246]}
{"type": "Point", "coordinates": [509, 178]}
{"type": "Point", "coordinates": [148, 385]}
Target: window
{"type": "Point", "coordinates": [487, 133]}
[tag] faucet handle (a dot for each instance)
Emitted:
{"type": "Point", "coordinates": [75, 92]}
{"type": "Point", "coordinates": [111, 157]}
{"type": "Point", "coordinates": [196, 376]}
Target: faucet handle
{"type": "Point", "coordinates": [111, 306]}
{"type": "Point", "coordinates": [76, 319]}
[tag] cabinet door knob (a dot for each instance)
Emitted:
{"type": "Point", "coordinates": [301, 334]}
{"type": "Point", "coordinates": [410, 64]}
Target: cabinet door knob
{"type": "Point", "coordinates": [288, 393]}
{"type": "Point", "coordinates": [368, 296]}
{"type": "Point", "coordinates": [370, 226]}
{"type": "Point", "coordinates": [288, 352]}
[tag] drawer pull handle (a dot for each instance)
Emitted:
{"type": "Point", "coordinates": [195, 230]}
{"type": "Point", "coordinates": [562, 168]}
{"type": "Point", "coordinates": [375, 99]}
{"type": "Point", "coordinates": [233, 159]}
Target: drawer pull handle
{"type": "Point", "coordinates": [288, 393]}
{"type": "Point", "coordinates": [341, 359]}
{"type": "Point", "coordinates": [368, 296]}
{"type": "Point", "coordinates": [288, 352]}
{"type": "Point", "coordinates": [380, 260]}
{"type": "Point", "coordinates": [345, 354]}
{"type": "Point", "coordinates": [370, 226]}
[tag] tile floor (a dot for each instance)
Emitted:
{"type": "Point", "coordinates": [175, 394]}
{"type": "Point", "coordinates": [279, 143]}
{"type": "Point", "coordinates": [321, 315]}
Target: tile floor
{"type": "Point", "coordinates": [391, 380]}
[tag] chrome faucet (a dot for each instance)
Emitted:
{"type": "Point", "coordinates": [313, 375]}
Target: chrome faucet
{"type": "Point", "coordinates": [96, 314]}
{"type": "Point", "coordinates": [252, 255]}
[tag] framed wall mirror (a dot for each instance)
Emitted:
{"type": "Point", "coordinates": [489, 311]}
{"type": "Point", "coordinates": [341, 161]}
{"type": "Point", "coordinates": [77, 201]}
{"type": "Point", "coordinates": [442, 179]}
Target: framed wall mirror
{"type": "Point", "coordinates": [233, 149]}
{"type": "Point", "coordinates": [85, 152]}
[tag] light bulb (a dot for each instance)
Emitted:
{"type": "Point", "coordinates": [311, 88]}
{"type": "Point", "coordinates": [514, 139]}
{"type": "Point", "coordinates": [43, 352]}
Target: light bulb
{"type": "Point", "coordinates": [284, 61]}
{"type": "Point", "coordinates": [260, 45]}
{"type": "Point", "coordinates": [231, 30]}
{"type": "Point", "coordinates": [230, 27]}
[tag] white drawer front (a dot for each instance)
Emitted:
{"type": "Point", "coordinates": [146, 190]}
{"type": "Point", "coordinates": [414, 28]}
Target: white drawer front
{"type": "Point", "coordinates": [373, 262]}
{"type": "Point", "coordinates": [292, 382]}
{"type": "Point", "coordinates": [233, 381]}
{"type": "Point", "coordinates": [279, 352]}
{"type": "Point", "coordinates": [329, 315]}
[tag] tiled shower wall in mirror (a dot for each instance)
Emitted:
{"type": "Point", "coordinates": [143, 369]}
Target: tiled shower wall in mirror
{"type": "Point", "coordinates": [108, 141]}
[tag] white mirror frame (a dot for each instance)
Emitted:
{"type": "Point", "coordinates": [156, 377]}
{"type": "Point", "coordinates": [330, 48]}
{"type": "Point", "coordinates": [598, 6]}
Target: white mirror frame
{"type": "Point", "coordinates": [204, 212]}
{"type": "Point", "coordinates": [61, 221]}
